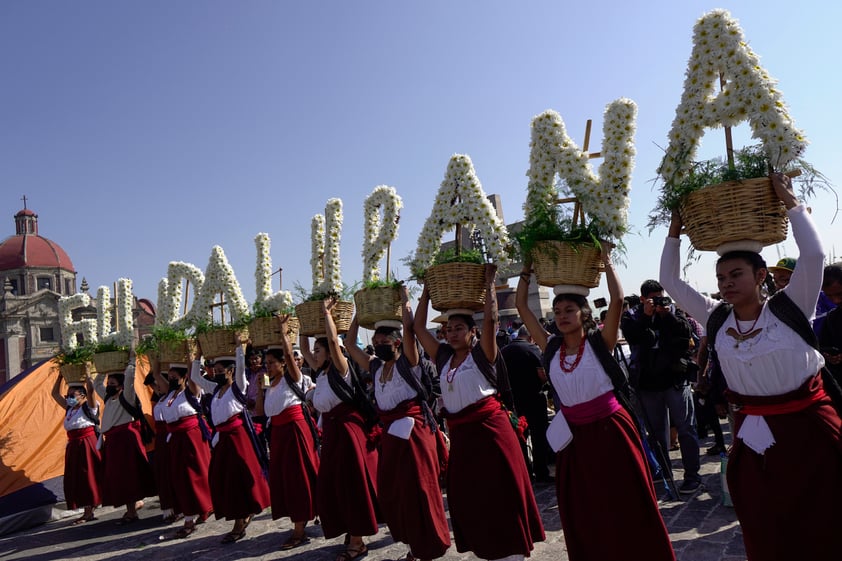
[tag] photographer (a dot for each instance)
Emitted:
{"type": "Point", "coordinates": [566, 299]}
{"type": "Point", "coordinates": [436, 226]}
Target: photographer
{"type": "Point", "coordinates": [661, 340]}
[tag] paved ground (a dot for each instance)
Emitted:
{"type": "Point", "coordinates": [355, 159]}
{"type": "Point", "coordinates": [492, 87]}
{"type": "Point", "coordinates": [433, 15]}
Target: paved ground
{"type": "Point", "coordinates": [700, 527]}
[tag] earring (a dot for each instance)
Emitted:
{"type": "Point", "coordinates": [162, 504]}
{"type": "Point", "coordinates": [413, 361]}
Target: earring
{"type": "Point", "coordinates": [764, 291]}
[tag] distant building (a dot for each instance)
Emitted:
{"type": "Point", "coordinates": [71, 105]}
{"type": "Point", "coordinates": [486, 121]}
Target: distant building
{"type": "Point", "coordinates": [34, 273]}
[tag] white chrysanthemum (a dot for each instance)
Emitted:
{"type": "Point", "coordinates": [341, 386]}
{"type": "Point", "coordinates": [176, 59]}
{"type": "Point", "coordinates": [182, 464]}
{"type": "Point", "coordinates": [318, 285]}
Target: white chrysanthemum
{"type": "Point", "coordinates": [461, 200]}
{"type": "Point", "coordinates": [69, 328]}
{"type": "Point", "coordinates": [604, 198]}
{"type": "Point", "coordinates": [263, 277]}
{"type": "Point", "coordinates": [177, 271]}
{"type": "Point", "coordinates": [719, 47]}
{"type": "Point", "coordinates": [103, 313]}
{"type": "Point", "coordinates": [378, 234]}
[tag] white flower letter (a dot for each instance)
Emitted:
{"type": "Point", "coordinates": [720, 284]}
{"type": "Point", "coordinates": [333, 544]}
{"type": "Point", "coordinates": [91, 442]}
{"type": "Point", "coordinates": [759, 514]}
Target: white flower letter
{"type": "Point", "coordinates": [168, 307]}
{"type": "Point", "coordinates": [326, 234]}
{"type": "Point", "coordinates": [69, 328]}
{"type": "Point", "coordinates": [263, 278]}
{"type": "Point", "coordinates": [460, 200]}
{"type": "Point", "coordinates": [219, 278]}
{"type": "Point", "coordinates": [749, 94]}
{"type": "Point", "coordinates": [605, 198]}
{"type": "Point", "coordinates": [122, 336]}
{"type": "Point", "coordinates": [379, 233]}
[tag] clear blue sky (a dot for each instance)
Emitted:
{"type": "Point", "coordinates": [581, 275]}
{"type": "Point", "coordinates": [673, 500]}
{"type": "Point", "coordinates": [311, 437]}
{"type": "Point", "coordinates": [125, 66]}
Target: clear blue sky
{"type": "Point", "coordinates": [147, 132]}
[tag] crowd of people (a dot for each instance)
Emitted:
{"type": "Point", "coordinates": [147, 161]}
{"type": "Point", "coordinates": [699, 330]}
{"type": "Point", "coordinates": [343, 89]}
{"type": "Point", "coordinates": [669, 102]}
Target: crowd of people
{"type": "Point", "coordinates": [358, 437]}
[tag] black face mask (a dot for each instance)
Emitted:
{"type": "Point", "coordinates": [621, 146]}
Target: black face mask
{"type": "Point", "coordinates": [111, 391]}
{"type": "Point", "coordinates": [220, 379]}
{"type": "Point", "coordinates": [385, 352]}
{"type": "Point", "coordinates": [174, 385]}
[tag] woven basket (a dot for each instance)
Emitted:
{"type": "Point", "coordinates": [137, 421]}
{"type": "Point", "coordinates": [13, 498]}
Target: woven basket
{"type": "Point", "coordinates": [734, 211]}
{"type": "Point", "coordinates": [111, 361]}
{"type": "Point", "coordinates": [376, 304]}
{"type": "Point", "coordinates": [74, 373]}
{"type": "Point", "coordinates": [267, 331]}
{"type": "Point", "coordinates": [221, 341]}
{"type": "Point", "coordinates": [176, 351]}
{"type": "Point", "coordinates": [557, 263]}
{"type": "Point", "coordinates": [311, 318]}
{"type": "Point", "coordinates": [456, 285]}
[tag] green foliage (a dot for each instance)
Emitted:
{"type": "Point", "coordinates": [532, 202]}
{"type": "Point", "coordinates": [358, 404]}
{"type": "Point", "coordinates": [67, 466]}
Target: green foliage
{"type": "Point", "coordinates": [464, 256]}
{"type": "Point", "coordinates": [749, 162]}
{"type": "Point", "coordinates": [206, 326]}
{"type": "Point", "coordinates": [304, 295]}
{"type": "Point", "coordinates": [109, 347]}
{"type": "Point", "coordinates": [161, 334]}
{"type": "Point", "coordinates": [79, 355]}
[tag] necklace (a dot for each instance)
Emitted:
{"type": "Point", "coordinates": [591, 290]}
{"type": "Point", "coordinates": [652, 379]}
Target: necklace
{"type": "Point", "coordinates": [451, 372]}
{"type": "Point", "coordinates": [739, 335]}
{"type": "Point", "coordinates": [174, 395]}
{"type": "Point", "coordinates": [562, 359]}
{"type": "Point", "coordinates": [385, 377]}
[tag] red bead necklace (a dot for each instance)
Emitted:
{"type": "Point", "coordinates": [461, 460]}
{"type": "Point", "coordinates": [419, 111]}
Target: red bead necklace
{"type": "Point", "coordinates": [562, 358]}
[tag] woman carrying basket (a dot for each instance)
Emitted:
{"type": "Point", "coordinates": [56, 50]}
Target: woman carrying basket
{"type": "Point", "coordinates": [293, 452]}
{"type": "Point", "coordinates": [409, 467]}
{"type": "Point", "coordinates": [347, 485]}
{"type": "Point", "coordinates": [492, 505]}
{"type": "Point", "coordinates": [785, 468]}
{"type": "Point", "coordinates": [238, 488]}
{"type": "Point", "coordinates": [605, 497]}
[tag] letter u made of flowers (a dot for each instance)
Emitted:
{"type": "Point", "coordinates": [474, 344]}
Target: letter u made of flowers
{"type": "Point", "coordinates": [379, 232]}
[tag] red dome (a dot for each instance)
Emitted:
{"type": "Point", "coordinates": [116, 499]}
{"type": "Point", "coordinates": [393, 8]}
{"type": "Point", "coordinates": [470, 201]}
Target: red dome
{"type": "Point", "coordinates": [30, 250]}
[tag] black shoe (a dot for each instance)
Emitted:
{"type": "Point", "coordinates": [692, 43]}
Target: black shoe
{"type": "Point", "coordinates": [689, 486]}
{"type": "Point", "coordinates": [715, 450]}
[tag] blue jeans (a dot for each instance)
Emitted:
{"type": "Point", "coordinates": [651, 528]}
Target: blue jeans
{"type": "Point", "coordinates": [659, 407]}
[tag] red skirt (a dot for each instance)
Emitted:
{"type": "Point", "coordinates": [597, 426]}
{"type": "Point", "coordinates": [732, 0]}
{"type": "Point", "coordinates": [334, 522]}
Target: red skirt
{"type": "Point", "coordinates": [492, 506]}
{"type": "Point", "coordinates": [606, 500]}
{"type": "Point", "coordinates": [238, 488]}
{"type": "Point", "coordinates": [408, 486]}
{"type": "Point", "coordinates": [789, 500]}
{"type": "Point", "coordinates": [293, 466]}
{"type": "Point", "coordinates": [82, 469]}
{"type": "Point", "coordinates": [346, 489]}
{"type": "Point", "coordinates": [127, 475]}
{"type": "Point", "coordinates": [161, 466]}
{"type": "Point", "coordinates": [189, 464]}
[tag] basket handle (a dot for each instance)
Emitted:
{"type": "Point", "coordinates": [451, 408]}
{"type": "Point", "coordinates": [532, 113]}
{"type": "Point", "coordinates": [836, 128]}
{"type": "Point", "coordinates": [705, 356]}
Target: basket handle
{"type": "Point", "coordinates": [578, 211]}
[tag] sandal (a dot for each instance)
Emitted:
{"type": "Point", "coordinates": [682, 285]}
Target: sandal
{"type": "Point", "coordinates": [353, 553]}
{"type": "Point", "coordinates": [169, 519]}
{"type": "Point", "coordinates": [186, 530]}
{"type": "Point", "coordinates": [126, 519]}
{"type": "Point", "coordinates": [82, 520]}
{"type": "Point", "coordinates": [233, 536]}
{"type": "Point", "coordinates": [295, 541]}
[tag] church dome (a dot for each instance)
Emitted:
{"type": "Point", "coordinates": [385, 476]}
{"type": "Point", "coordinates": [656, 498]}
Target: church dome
{"type": "Point", "coordinates": [27, 249]}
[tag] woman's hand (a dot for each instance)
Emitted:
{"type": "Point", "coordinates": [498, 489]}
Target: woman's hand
{"type": "Point", "coordinates": [605, 248]}
{"type": "Point", "coordinates": [676, 224]}
{"type": "Point", "coordinates": [328, 304]}
{"type": "Point", "coordinates": [490, 273]}
{"type": "Point", "coordinates": [783, 189]}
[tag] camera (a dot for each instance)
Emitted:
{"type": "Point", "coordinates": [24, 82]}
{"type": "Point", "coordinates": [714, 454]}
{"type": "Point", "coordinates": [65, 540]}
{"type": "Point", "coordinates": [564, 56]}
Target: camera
{"type": "Point", "coordinates": [663, 301]}
{"type": "Point", "coordinates": [600, 303]}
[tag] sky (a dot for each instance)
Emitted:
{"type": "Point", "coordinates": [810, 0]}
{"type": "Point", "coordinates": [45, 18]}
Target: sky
{"type": "Point", "coordinates": [148, 132]}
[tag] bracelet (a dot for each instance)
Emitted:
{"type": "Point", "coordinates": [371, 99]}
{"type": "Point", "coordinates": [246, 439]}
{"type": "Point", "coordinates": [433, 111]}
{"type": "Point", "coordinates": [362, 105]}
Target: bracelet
{"type": "Point", "coordinates": [526, 276]}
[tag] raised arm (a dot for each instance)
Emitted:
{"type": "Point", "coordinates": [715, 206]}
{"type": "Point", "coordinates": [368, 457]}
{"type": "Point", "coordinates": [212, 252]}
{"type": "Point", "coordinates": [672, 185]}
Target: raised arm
{"type": "Point", "coordinates": [196, 383]}
{"type": "Point", "coordinates": [409, 345]}
{"type": "Point", "coordinates": [128, 379]}
{"type": "Point", "coordinates": [539, 334]}
{"type": "Point", "coordinates": [304, 347]}
{"type": "Point", "coordinates": [289, 363]}
{"type": "Point", "coordinates": [240, 368]}
{"type": "Point", "coordinates": [357, 354]}
{"type": "Point", "coordinates": [337, 358]}
{"type": "Point", "coordinates": [488, 337]}
{"type": "Point", "coordinates": [685, 296]}
{"type": "Point", "coordinates": [430, 343]}
{"type": "Point", "coordinates": [806, 281]}
{"type": "Point", "coordinates": [611, 325]}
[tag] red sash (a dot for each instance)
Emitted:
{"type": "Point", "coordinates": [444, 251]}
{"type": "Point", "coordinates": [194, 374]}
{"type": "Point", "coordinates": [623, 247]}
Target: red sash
{"type": "Point", "coordinates": [184, 424]}
{"type": "Point", "coordinates": [80, 434]}
{"type": "Point", "coordinates": [593, 410]}
{"type": "Point", "coordinates": [474, 412]}
{"type": "Point", "coordinates": [231, 424]}
{"type": "Point", "coordinates": [288, 415]}
{"type": "Point", "coordinates": [127, 427]}
{"type": "Point", "coordinates": [810, 392]}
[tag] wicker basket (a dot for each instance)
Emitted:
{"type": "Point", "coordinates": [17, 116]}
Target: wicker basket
{"type": "Point", "coordinates": [558, 263]}
{"type": "Point", "coordinates": [74, 373]}
{"type": "Point", "coordinates": [456, 285]}
{"type": "Point", "coordinates": [310, 317]}
{"type": "Point", "coordinates": [111, 361]}
{"type": "Point", "coordinates": [376, 304]}
{"type": "Point", "coordinates": [176, 351]}
{"type": "Point", "coordinates": [221, 341]}
{"type": "Point", "coordinates": [266, 331]}
{"type": "Point", "coordinates": [734, 211]}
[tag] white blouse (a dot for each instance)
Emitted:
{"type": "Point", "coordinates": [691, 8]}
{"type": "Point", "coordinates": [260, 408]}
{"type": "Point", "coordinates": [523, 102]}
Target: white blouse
{"type": "Point", "coordinates": [176, 407]}
{"type": "Point", "coordinates": [280, 397]}
{"type": "Point", "coordinates": [396, 390]}
{"type": "Point", "coordinates": [324, 399]}
{"type": "Point", "coordinates": [76, 419]}
{"type": "Point", "coordinates": [467, 385]}
{"type": "Point", "coordinates": [158, 409]}
{"type": "Point", "coordinates": [224, 405]}
{"type": "Point", "coordinates": [588, 381]}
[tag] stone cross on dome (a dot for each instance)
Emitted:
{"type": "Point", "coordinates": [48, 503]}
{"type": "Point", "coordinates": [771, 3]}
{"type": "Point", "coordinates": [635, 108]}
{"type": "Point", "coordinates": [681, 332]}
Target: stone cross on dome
{"type": "Point", "coordinates": [24, 202]}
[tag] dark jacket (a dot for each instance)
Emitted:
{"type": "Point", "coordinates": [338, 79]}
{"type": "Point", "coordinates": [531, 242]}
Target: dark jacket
{"type": "Point", "coordinates": [660, 348]}
{"type": "Point", "coordinates": [523, 359]}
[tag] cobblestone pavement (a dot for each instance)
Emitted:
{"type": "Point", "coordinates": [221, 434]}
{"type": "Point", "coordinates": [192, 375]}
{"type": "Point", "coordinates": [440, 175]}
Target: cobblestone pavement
{"type": "Point", "coordinates": [700, 527]}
